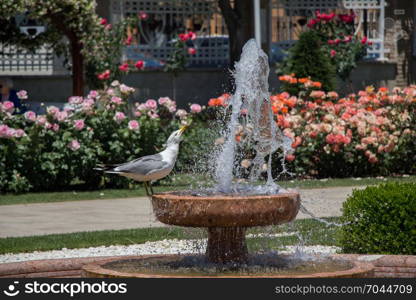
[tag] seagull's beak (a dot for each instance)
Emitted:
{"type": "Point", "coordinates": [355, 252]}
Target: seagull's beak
{"type": "Point", "coordinates": [183, 128]}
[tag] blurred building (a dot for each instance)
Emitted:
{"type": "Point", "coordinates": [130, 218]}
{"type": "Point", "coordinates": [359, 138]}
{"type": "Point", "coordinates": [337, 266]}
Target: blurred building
{"type": "Point", "coordinates": [389, 24]}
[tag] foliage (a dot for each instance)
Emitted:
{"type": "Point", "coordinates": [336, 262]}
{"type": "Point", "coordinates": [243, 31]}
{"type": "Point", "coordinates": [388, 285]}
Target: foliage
{"type": "Point", "coordinates": [100, 42]}
{"type": "Point", "coordinates": [339, 41]}
{"type": "Point", "coordinates": [380, 220]}
{"type": "Point", "coordinates": [307, 58]}
{"type": "Point", "coordinates": [178, 58]}
{"type": "Point", "coordinates": [49, 152]}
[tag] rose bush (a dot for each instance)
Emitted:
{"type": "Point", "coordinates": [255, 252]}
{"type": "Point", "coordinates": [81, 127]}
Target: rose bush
{"type": "Point", "coordinates": [55, 150]}
{"type": "Point", "coordinates": [365, 134]}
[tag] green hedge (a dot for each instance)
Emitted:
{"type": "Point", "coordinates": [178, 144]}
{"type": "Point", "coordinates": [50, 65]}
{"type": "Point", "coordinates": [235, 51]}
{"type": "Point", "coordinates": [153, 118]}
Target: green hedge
{"type": "Point", "coordinates": [380, 219]}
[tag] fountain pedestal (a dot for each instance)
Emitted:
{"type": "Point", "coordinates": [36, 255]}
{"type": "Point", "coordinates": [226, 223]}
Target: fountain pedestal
{"type": "Point", "coordinates": [226, 218]}
{"type": "Point", "coordinates": [227, 244]}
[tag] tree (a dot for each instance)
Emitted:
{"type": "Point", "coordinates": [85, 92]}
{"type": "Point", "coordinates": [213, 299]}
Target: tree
{"type": "Point", "coordinates": [74, 19]}
{"type": "Point", "coordinates": [240, 24]}
{"type": "Point", "coordinates": [307, 58]}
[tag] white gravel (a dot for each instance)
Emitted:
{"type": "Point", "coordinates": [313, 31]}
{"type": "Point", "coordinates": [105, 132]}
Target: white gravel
{"type": "Point", "coordinates": [160, 247]}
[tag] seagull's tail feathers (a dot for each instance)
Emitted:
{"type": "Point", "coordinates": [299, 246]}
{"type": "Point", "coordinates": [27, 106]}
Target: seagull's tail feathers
{"type": "Point", "coordinates": [106, 168]}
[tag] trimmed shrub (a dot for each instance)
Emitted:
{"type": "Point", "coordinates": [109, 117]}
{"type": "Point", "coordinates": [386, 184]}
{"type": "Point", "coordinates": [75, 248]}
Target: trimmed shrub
{"type": "Point", "coordinates": [380, 220]}
{"type": "Point", "coordinates": [307, 59]}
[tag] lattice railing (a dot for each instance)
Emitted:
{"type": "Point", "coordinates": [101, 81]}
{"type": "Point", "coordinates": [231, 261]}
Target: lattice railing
{"type": "Point", "coordinates": [23, 62]}
{"type": "Point", "coordinates": [288, 19]}
{"type": "Point", "coordinates": [154, 37]}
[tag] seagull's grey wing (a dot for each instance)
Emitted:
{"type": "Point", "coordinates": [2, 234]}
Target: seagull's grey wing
{"type": "Point", "coordinates": [144, 165]}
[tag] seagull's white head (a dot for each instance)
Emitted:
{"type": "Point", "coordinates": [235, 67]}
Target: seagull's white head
{"type": "Point", "coordinates": [176, 137]}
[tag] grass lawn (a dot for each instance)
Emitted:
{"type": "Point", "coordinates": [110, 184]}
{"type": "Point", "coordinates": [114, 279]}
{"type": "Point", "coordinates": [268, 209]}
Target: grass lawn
{"type": "Point", "coordinates": [179, 182]}
{"type": "Point", "coordinates": [312, 232]}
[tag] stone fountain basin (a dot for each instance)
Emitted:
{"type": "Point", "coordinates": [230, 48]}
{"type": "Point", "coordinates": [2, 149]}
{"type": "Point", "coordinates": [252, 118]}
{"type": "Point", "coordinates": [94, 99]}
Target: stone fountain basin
{"type": "Point", "coordinates": [225, 211]}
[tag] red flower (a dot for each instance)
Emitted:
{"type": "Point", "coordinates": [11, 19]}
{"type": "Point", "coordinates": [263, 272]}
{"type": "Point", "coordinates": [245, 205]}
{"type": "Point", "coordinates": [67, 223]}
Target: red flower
{"type": "Point", "coordinates": [312, 23]}
{"type": "Point", "coordinates": [139, 64]}
{"type": "Point", "coordinates": [124, 67]}
{"type": "Point", "coordinates": [191, 35]}
{"type": "Point", "coordinates": [364, 40]}
{"type": "Point", "coordinates": [333, 53]}
{"type": "Point", "coordinates": [183, 37]}
{"type": "Point", "coordinates": [191, 50]}
{"type": "Point", "coordinates": [104, 75]}
{"type": "Point", "coordinates": [347, 18]}
{"type": "Point", "coordinates": [143, 15]}
{"type": "Point", "coordinates": [290, 157]}
{"type": "Point", "coordinates": [128, 40]}
{"type": "Point", "coordinates": [103, 21]}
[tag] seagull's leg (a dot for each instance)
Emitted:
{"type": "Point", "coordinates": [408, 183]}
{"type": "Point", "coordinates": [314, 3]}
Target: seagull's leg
{"type": "Point", "coordinates": [151, 188]}
{"type": "Point", "coordinates": [145, 186]}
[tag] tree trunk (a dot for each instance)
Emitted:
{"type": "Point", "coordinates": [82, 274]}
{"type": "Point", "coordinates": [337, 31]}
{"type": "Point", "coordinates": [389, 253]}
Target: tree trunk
{"type": "Point", "coordinates": [76, 55]}
{"type": "Point", "coordinates": [77, 68]}
{"type": "Point", "coordinates": [240, 24]}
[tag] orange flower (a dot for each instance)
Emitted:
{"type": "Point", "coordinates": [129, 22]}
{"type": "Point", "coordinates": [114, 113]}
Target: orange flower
{"type": "Point", "coordinates": [284, 109]}
{"type": "Point", "coordinates": [317, 84]}
{"type": "Point", "coordinates": [303, 80]}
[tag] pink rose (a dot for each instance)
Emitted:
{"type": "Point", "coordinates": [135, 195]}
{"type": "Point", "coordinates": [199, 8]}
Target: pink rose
{"type": "Point", "coordinates": [133, 125]}
{"type": "Point", "coordinates": [74, 145]}
{"type": "Point", "coordinates": [163, 100]}
{"type": "Point", "coordinates": [41, 120]}
{"type": "Point", "coordinates": [152, 115]}
{"type": "Point", "coordinates": [93, 94]}
{"type": "Point", "coordinates": [196, 108]}
{"type": "Point", "coordinates": [4, 129]}
{"type": "Point", "coordinates": [75, 100]}
{"type": "Point", "coordinates": [18, 133]}
{"type": "Point", "coordinates": [119, 117]}
{"type": "Point", "coordinates": [52, 110]}
{"type": "Point", "coordinates": [333, 53]}
{"type": "Point", "coordinates": [22, 94]}
{"type": "Point", "coordinates": [55, 127]}
{"type": "Point", "coordinates": [181, 113]}
{"type": "Point", "coordinates": [110, 92]}
{"type": "Point", "coordinates": [116, 100]}
{"type": "Point", "coordinates": [30, 116]}
{"type": "Point", "coordinates": [126, 89]}
{"type": "Point", "coordinates": [79, 124]}
{"type": "Point", "coordinates": [103, 21]}
{"type": "Point", "coordinates": [61, 116]}
{"type": "Point", "coordinates": [151, 104]}
{"type": "Point", "coordinates": [8, 106]}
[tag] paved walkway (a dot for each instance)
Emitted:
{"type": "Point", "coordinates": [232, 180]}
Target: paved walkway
{"type": "Point", "coordinates": [91, 215]}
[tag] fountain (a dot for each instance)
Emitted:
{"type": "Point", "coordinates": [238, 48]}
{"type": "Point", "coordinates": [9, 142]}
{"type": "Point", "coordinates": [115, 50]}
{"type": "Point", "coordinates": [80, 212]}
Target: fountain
{"type": "Point", "coordinates": [229, 208]}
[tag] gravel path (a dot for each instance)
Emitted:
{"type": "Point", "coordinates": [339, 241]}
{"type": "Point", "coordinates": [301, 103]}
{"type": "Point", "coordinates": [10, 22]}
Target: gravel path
{"type": "Point", "coordinates": [92, 215]}
{"type": "Point", "coordinates": [160, 247]}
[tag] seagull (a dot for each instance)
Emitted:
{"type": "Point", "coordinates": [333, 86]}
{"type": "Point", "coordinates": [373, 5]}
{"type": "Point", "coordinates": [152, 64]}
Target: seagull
{"type": "Point", "coordinates": [150, 167]}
